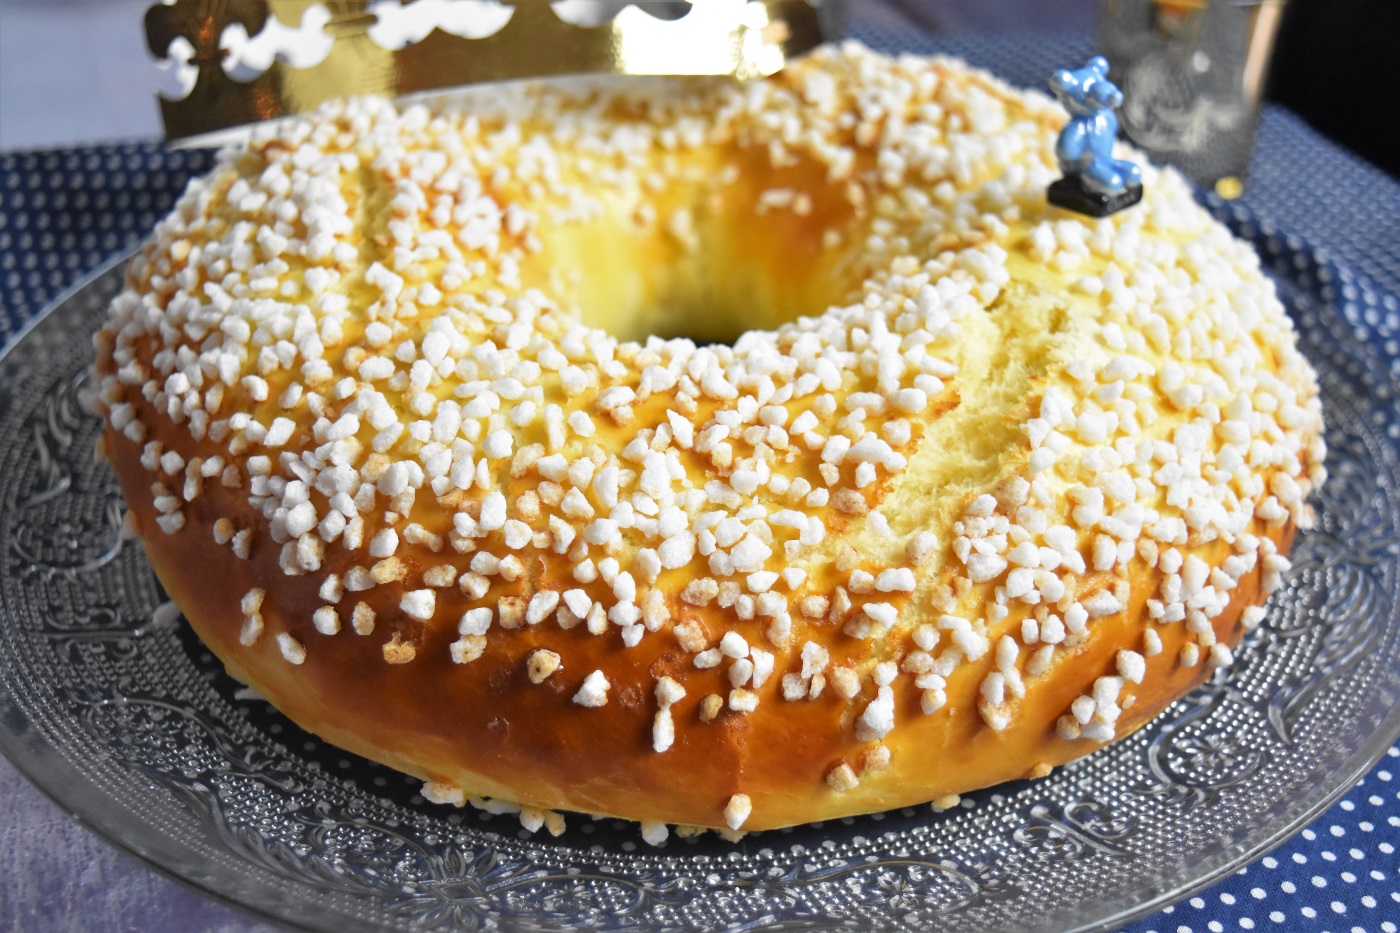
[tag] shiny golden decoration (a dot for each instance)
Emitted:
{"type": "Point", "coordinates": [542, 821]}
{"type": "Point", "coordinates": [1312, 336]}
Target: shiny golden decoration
{"type": "Point", "coordinates": [744, 38]}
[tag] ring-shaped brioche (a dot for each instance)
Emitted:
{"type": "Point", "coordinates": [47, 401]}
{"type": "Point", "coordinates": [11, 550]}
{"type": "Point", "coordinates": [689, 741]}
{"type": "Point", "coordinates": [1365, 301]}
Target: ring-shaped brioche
{"type": "Point", "coordinates": [979, 486]}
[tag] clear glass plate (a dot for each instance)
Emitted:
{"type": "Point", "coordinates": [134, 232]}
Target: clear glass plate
{"type": "Point", "coordinates": [115, 709]}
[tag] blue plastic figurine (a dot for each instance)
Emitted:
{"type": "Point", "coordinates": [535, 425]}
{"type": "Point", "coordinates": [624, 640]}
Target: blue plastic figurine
{"type": "Point", "coordinates": [1095, 183]}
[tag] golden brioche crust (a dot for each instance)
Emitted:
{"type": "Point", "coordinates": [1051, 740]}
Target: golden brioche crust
{"type": "Point", "coordinates": [1023, 484]}
{"type": "Point", "coordinates": [537, 749]}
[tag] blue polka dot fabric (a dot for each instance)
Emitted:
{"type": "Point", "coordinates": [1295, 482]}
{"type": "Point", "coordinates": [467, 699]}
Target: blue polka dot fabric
{"type": "Point", "coordinates": [1340, 875]}
{"type": "Point", "coordinates": [65, 213]}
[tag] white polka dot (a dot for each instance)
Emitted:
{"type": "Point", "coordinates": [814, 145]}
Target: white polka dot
{"type": "Point", "coordinates": [1338, 907]}
{"type": "Point", "coordinates": [1308, 912]}
{"type": "Point", "coordinates": [1257, 893]}
{"type": "Point", "coordinates": [1246, 923]}
{"type": "Point", "coordinates": [1227, 898]}
{"type": "Point", "coordinates": [1197, 903]}
{"type": "Point", "coordinates": [1300, 858]}
{"type": "Point", "coordinates": [1348, 877]}
{"type": "Point", "coordinates": [1329, 856]}
{"type": "Point", "coordinates": [1319, 881]}
{"type": "Point", "coordinates": [1215, 926]}
{"type": "Point", "coordinates": [1270, 862]}
{"type": "Point", "coordinates": [1337, 831]}
{"type": "Point", "coordinates": [1276, 916]}
{"type": "Point", "coordinates": [1287, 887]}
{"type": "Point", "coordinates": [1309, 835]}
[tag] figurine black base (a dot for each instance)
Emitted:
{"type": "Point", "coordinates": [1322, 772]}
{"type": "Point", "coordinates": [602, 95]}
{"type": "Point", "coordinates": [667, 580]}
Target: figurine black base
{"type": "Point", "coordinates": [1069, 192]}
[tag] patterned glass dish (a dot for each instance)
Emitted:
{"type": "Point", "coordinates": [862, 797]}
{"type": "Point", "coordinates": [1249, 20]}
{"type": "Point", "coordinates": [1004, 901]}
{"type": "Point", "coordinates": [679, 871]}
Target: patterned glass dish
{"type": "Point", "coordinates": [115, 709]}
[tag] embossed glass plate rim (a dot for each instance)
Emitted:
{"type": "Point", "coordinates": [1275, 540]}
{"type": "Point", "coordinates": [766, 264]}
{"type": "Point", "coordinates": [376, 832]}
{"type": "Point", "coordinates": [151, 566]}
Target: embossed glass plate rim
{"type": "Point", "coordinates": [73, 793]}
{"type": "Point", "coordinates": [80, 799]}
{"type": "Point", "coordinates": [120, 257]}
{"type": "Point", "coordinates": [1253, 846]}
{"type": "Point", "coordinates": [1235, 214]}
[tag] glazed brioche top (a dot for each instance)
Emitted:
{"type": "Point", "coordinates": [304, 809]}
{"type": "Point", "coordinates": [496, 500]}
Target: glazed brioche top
{"type": "Point", "coordinates": [953, 418]}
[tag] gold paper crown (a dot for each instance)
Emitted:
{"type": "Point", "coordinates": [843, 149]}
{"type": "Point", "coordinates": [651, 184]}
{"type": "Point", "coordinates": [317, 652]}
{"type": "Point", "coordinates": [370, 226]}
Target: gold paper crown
{"type": "Point", "coordinates": [744, 38]}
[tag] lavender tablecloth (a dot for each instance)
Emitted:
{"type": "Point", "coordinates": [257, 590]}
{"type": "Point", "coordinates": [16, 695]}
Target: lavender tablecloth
{"type": "Point", "coordinates": [62, 213]}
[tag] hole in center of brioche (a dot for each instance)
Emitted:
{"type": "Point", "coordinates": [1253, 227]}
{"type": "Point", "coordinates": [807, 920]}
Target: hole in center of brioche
{"type": "Point", "coordinates": [728, 244]}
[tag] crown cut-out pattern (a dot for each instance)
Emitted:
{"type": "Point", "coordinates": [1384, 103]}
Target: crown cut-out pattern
{"type": "Point", "coordinates": [744, 38]}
